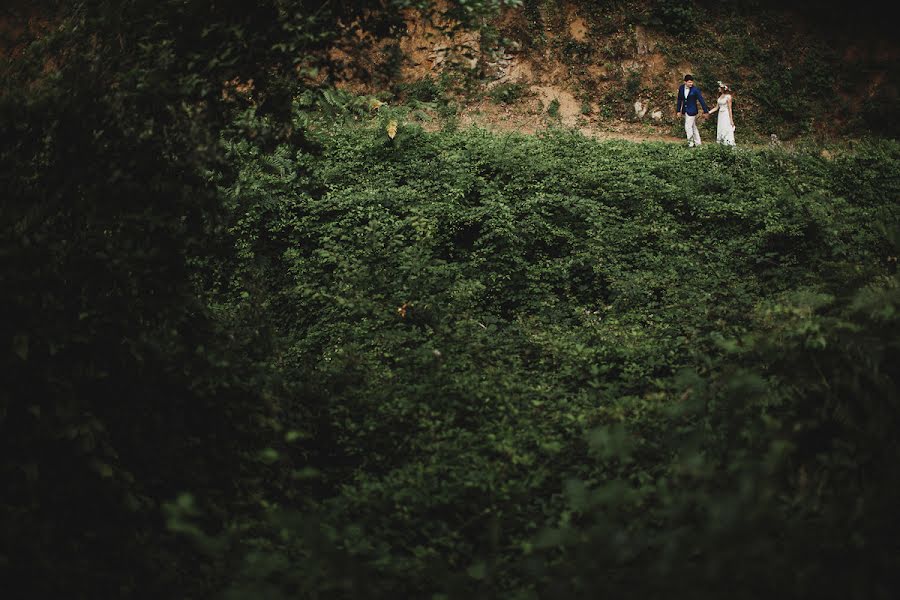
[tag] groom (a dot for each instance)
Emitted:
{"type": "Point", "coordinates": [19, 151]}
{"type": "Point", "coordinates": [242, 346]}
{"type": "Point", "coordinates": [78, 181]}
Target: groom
{"type": "Point", "coordinates": [688, 96]}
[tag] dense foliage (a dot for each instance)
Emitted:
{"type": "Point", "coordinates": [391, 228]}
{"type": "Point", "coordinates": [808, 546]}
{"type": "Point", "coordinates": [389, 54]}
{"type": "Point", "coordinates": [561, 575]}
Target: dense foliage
{"type": "Point", "coordinates": [122, 387]}
{"type": "Point", "coordinates": [272, 347]}
{"type": "Point", "coordinates": [548, 365]}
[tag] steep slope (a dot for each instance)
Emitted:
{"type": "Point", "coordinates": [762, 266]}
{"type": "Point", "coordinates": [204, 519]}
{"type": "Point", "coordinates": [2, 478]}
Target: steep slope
{"type": "Point", "coordinates": [615, 67]}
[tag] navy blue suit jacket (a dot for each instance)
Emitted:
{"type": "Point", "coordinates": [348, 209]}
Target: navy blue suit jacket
{"type": "Point", "coordinates": [689, 105]}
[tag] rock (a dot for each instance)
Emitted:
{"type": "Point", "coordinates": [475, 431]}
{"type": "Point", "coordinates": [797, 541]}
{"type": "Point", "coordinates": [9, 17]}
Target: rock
{"type": "Point", "coordinates": [656, 115]}
{"type": "Point", "coordinates": [645, 44]}
{"type": "Point", "coordinates": [439, 55]}
{"type": "Point", "coordinates": [640, 109]}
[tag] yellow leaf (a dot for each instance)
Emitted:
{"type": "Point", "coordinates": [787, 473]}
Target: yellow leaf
{"type": "Point", "coordinates": [392, 128]}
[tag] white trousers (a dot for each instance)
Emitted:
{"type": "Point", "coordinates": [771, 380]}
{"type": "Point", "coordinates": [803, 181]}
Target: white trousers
{"type": "Point", "coordinates": [690, 128]}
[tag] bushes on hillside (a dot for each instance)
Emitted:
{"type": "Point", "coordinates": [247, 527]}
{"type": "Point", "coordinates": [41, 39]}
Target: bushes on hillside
{"type": "Point", "coordinates": [559, 367]}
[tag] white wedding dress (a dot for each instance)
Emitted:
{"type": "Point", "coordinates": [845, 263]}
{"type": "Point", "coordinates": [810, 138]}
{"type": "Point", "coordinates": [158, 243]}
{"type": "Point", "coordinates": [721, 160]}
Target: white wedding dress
{"type": "Point", "coordinates": [724, 130]}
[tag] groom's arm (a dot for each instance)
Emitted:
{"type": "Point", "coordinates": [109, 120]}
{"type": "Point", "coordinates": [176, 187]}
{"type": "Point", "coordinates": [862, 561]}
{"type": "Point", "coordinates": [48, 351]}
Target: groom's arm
{"type": "Point", "coordinates": [679, 103]}
{"type": "Point", "coordinates": [702, 102]}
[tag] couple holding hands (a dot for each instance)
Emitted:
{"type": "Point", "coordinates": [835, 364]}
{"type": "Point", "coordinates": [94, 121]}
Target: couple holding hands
{"type": "Point", "coordinates": [689, 96]}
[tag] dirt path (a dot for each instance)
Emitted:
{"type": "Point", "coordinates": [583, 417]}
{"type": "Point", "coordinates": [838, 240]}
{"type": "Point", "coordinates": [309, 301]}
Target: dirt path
{"type": "Point", "coordinates": [497, 119]}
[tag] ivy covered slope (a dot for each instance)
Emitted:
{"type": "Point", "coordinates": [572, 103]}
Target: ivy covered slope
{"type": "Point", "coordinates": [258, 343]}
{"type": "Point", "coordinates": [547, 365]}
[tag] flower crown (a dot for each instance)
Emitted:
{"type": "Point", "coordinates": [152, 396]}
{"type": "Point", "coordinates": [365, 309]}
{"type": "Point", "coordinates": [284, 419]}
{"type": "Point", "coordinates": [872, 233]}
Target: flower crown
{"type": "Point", "coordinates": [723, 86]}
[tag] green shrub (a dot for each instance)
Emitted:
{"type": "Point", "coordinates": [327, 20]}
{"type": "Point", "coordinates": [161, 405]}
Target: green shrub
{"type": "Point", "coordinates": [674, 18]}
{"type": "Point", "coordinates": [553, 108]}
{"type": "Point", "coordinates": [633, 83]}
{"type": "Point", "coordinates": [508, 93]}
{"type": "Point", "coordinates": [426, 89]}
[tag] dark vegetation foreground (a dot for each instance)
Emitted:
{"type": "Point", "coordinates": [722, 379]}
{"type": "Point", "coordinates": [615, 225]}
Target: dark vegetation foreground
{"type": "Point", "coordinates": [273, 351]}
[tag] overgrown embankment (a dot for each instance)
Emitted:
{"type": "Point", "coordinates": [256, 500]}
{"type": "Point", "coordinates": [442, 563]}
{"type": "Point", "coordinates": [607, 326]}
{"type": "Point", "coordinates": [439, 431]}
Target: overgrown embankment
{"type": "Point", "coordinates": [259, 342]}
{"type": "Point", "coordinates": [545, 365]}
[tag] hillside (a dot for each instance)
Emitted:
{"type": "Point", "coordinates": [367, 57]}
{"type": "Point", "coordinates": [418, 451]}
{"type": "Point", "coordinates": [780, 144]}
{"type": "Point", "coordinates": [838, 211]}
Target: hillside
{"type": "Point", "coordinates": [613, 68]}
{"type": "Point", "coordinates": [278, 325]}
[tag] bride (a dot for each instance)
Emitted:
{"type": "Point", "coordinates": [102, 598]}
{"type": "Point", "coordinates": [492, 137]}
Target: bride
{"type": "Point", "coordinates": [725, 123]}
